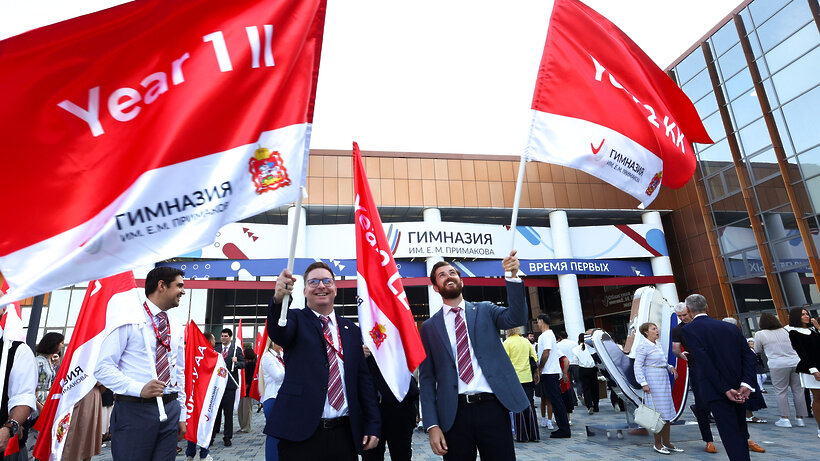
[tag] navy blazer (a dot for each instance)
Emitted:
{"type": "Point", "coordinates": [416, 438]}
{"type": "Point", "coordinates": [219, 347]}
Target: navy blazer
{"type": "Point", "coordinates": [724, 358]}
{"type": "Point", "coordinates": [301, 399]}
{"type": "Point", "coordinates": [240, 363]}
{"type": "Point", "coordinates": [438, 375]}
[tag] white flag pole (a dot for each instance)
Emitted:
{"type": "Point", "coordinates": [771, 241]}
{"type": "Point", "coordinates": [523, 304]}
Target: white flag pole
{"type": "Point", "coordinates": [162, 416]}
{"type": "Point", "coordinates": [294, 233]}
{"type": "Point", "coordinates": [514, 221]}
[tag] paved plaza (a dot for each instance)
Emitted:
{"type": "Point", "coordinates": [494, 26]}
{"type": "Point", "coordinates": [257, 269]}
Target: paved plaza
{"type": "Point", "coordinates": [793, 444]}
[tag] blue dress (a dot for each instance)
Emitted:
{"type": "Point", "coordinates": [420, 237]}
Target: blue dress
{"type": "Point", "coordinates": [652, 368]}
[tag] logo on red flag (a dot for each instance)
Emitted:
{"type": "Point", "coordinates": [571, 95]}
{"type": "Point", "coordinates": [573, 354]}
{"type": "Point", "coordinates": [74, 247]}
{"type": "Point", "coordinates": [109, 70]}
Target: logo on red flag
{"type": "Point", "coordinates": [108, 304]}
{"type": "Point", "coordinates": [203, 85]}
{"type": "Point", "coordinates": [384, 313]}
{"type": "Point", "coordinates": [595, 83]}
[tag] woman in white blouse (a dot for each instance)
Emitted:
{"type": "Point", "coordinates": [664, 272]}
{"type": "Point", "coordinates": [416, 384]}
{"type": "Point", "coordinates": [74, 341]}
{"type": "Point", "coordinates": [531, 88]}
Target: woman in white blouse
{"type": "Point", "coordinates": [272, 373]}
{"type": "Point", "coordinates": [773, 340]}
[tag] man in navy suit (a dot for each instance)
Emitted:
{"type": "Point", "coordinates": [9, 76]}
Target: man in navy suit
{"type": "Point", "coordinates": [235, 360]}
{"type": "Point", "coordinates": [326, 408]}
{"type": "Point", "coordinates": [467, 382]}
{"type": "Point", "coordinates": [726, 367]}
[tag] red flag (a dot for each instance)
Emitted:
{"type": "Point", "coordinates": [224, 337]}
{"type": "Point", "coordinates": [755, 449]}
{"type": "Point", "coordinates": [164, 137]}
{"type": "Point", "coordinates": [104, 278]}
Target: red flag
{"type": "Point", "coordinates": [108, 304]}
{"type": "Point", "coordinates": [261, 339]}
{"type": "Point", "coordinates": [140, 130]}
{"type": "Point", "coordinates": [387, 324]}
{"type": "Point", "coordinates": [205, 379]}
{"type": "Point", "coordinates": [602, 106]}
{"type": "Point", "coordinates": [238, 347]}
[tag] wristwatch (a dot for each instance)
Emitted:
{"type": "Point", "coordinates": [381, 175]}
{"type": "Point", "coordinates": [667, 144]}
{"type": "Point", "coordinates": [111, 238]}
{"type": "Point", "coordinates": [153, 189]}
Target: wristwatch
{"type": "Point", "coordinates": [13, 427]}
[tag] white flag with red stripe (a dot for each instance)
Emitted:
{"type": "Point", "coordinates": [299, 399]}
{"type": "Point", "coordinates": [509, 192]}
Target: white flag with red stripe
{"type": "Point", "coordinates": [108, 304]}
{"type": "Point", "coordinates": [205, 379]}
{"type": "Point", "coordinates": [387, 324]}
{"type": "Point", "coordinates": [138, 131]}
{"type": "Point", "coordinates": [602, 106]}
{"type": "Point", "coordinates": [11, 322]}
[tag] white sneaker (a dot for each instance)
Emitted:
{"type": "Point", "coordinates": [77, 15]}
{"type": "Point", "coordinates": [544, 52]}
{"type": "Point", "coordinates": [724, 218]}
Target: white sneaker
{"type": "Point", "coordinates": [543, 421]}
{"type": "Point", "coordinates": [799, 422]}
{"type": "Point", "coordinates": [207, 458]}
{"type": "Point", "coordinates": [550, 427]}
{"type": "Point", "coordinates": [189, 458]}
{"type": "Point", "coordinates": [783, 422]}
{"type": "Point", "coordinates": [570, 422]}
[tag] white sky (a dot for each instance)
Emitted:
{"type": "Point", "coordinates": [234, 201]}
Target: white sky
{"type": "Point", "coordinates": [445, 76]}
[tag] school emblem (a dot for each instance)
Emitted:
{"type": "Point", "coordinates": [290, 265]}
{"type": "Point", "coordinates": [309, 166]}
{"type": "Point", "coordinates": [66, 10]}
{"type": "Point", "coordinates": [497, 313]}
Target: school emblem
{"type": "Point", "coordinates": [268, 170]}
{"type": "Point", "coordinates": [62, 427]}
{"type": "Point", "coordinates": [377, 334]}
{"type": "Point", "coordinates": [656, 181]}
{"type": "Point", "coordinates": [223, 372]}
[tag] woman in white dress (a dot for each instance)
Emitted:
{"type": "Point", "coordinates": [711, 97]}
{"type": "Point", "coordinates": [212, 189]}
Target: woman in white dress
{"type": "Point", "coordinates": [652, 372]}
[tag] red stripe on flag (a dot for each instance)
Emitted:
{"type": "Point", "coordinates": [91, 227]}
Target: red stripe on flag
{"type": "Point", "coordinates": [640, 240]}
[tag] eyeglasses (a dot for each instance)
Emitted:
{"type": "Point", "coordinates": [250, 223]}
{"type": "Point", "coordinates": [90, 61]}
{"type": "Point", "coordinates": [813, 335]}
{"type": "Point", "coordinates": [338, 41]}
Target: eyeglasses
{"type": "Point", "coordinates": [313, 283]}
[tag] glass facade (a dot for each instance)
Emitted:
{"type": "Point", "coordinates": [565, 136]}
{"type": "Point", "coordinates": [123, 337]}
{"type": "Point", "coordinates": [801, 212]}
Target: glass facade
{"type": "Point", "coordinates": [771, 50]}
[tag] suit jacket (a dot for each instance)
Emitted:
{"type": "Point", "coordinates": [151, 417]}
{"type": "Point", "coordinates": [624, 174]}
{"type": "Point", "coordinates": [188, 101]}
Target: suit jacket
{"type": "Point", "coordinates": [240, 363]}
{"type": "Point", "coordinates": [438, 374]}
{"type": "Point", "coordinates": [301, 398]}
{"type": "Point", "coordinates": [724, 358]}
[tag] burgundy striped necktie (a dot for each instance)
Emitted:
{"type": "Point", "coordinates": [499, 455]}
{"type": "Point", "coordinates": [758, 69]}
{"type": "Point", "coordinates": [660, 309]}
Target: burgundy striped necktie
{"type": "Point", "coordinates": [465, 363]}
{"type": "Point", "coordinates": [335, 392]}
{"type": "Point", "coordinates": [163, 368]}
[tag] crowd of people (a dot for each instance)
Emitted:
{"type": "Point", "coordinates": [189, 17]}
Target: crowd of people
{"type": "Point", "coordinates": [316, 375]}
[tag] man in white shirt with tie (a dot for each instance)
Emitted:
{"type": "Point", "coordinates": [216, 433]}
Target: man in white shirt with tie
{"type": "Point", "coordinates": [127, 368]}
{"type": "Point", "coordinates": [467, 383]}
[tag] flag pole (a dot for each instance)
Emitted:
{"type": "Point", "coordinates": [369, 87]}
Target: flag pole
{"type": "Point", "coordinates": [516, 201]}
{"type": "Point", "coordinates": [162, 416]}
{"type": "Point", "coordinates": [294, 233]}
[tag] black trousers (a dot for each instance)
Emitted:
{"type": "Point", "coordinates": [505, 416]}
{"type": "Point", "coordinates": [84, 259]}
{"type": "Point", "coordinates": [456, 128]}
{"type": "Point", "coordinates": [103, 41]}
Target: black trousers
{"type": "Point", "coordinates": [484, 426]}
{"type": "Point", "coordinates": [333, 444]}
{"type": "Point", "coordinates": [398, 423]}
{"type": "Point", "coordinates": [701, 408]}
{"type": "Point", "coordinates": [138, 435]}
{"type": "Point", "coordinates": [730, 419]}
{"type": "Point", "coordinates": [552, 390]}
{"type": "Point", "coordinates": [226, 409]}
{"type": "Point", "coordinates": [589, 382]}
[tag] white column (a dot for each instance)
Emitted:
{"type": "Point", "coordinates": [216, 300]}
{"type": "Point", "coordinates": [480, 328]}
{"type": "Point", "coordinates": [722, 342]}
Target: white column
{"type": "Point", "coordinates": [567, 283]}
{"type": "Point", "coordinates": [298, 287]}
{"type": "Point", "coordinates": [661, 265]}
{"type": "Point", "coordinates": [434, 302]}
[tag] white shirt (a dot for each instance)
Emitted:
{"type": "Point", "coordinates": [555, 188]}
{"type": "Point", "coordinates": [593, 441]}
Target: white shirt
{"type": "Point", "coordinates": [22, 383]}
{"type": "Point", "coordinates": [566, 346]}
{"type": "Point", "coordinates": [546, 342]}
{"type": "Point", "coordinates": [479, 383]}
{"type": "Point", "coordinates": [583, 357]}
{"type": "Point", "coordinates": [125, 367]}
{"type": "Point", "coordinates": [329, 411]}
{"type": "Point", "coordinates": [273, 373]}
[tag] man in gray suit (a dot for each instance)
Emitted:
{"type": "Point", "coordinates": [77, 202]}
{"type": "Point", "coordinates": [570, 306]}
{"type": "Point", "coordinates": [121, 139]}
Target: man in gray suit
{"type": "Point", "coordinates": [467, 381]}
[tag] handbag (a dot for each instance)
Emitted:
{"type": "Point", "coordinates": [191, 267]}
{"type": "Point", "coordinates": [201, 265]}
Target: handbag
{"type": "Point", "coordinates": [649, 417]}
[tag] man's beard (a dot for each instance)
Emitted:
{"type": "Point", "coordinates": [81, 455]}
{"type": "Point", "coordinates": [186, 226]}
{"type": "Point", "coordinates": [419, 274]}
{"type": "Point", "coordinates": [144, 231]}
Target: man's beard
{"type": "Point", "coordinates": [448, 292]}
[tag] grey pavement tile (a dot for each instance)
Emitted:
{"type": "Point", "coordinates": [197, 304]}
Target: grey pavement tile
{"type": "Point", "coordinates": [793, 444]}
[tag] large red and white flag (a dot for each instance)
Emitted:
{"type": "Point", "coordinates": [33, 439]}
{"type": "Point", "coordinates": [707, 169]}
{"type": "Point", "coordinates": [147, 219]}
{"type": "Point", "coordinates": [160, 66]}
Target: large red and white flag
{"type": "Point", "coordinates": [240, 375]}
{"type": "Point", "coordinates": [205, 379]}
{"type": "Point", "coordinates": [387, 324]}
{"type": "Point", "coordinates": [136, 132]}
{"type": "Point", "coordinates": [108, 304]}
{"type": "Point", "coordinates": [602, 106]}
{"type": "Point", "coordinates": [259, 349]}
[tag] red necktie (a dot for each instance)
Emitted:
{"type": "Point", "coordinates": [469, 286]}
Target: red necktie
{"type": "Point", "coordinates": [335, 392]}
{"type": "Point", "coordinates": [465, 363]}
{"type": "Point", "coordinates": [225, 352]}
{"type": "Point", "coordinates": [163, 369]}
